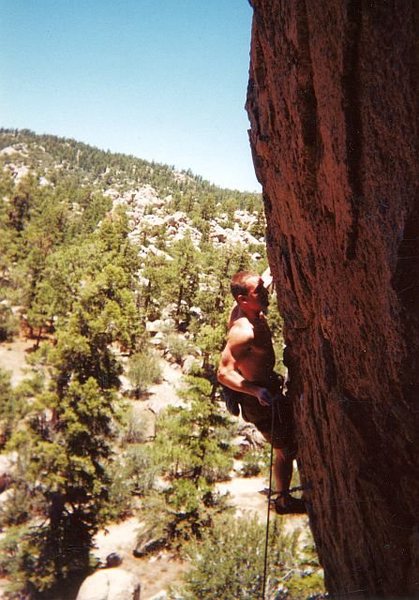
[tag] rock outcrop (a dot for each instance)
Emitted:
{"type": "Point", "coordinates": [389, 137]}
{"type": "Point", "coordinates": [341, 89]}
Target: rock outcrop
{"type": "Point", "coordinates": [332, 104]}
{"type": "Point", "coordinates": [110, 584]}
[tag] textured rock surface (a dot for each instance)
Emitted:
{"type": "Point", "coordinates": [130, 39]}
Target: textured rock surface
{"type": "Point", "coordinates": [333, 115]}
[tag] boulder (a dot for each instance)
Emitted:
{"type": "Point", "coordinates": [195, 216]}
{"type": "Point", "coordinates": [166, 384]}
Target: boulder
{"type": "Point", "coordinates": [188, 363]}
{"type": "Point", "coordinates": [110, 584]}
{"type": "Point", "coordinates": [149, 546]}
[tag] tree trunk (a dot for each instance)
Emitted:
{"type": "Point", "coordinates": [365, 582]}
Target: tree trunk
{"type": "Point", "coordinates": [332, 106]}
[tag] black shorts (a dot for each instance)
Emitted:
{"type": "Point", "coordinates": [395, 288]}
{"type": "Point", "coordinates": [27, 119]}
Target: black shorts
{"type": "Point", "coordinates": [261, 416]}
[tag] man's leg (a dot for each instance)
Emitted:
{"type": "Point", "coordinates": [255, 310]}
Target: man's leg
{"type": "Point", "coordinates": [282, 470]}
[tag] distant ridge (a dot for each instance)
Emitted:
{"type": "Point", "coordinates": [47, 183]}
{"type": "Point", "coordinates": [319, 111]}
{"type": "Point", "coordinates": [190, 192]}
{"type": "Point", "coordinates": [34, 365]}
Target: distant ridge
{"type": "Point", "coordinates": [103, 166]}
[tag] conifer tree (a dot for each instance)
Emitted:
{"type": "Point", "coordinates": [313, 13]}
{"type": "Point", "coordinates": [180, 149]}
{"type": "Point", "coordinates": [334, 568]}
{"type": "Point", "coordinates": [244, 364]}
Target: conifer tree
{"type": "Point", "coordinates": [64, 443]}
{"type": "Point", "coordinates": [193, 449]}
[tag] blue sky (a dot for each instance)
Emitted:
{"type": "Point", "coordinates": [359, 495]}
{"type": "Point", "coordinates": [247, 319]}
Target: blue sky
{"type": "Point", "coordinates": [164, 80]}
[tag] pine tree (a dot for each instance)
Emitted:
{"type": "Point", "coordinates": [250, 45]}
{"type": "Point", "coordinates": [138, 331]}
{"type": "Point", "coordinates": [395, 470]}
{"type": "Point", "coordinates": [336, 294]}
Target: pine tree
{"type": "Point", "coordinates": [193, 449]}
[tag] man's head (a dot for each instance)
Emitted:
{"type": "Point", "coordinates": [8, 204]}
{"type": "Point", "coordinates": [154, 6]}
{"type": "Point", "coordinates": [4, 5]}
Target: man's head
{"type": "Point", "coordinates": [239, 283]}
{"type": "Point", "coordinates": [249, 291]}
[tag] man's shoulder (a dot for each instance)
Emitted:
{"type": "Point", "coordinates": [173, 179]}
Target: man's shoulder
{"type": "Point", "coordinates": [241, 330]}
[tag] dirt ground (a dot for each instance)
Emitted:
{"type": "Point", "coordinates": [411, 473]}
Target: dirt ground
{"type": "Point", "coordinates": [13, 358]}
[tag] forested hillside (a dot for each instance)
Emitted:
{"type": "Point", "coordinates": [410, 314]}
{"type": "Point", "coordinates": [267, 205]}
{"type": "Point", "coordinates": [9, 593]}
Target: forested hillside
{"type": "Point", "coordinates": [169, 241]}
{"type": "Point", "coordinates": [108, 263]}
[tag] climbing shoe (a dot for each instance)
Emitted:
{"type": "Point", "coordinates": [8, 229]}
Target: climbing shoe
{"type": "Point", "coordinates": [288, 505]}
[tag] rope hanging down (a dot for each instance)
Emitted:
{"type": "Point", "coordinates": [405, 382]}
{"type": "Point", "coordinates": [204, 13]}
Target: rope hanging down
{"type": "Point", "coordinates": [265, 558]}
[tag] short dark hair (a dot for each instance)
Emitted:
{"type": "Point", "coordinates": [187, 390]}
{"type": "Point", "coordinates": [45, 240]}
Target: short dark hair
{"type": "Point", "coordinates": [238, 284]}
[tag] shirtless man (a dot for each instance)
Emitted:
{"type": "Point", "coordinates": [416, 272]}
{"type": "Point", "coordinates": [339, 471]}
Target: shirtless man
{"type": "Point", "coordinates": [246, 366]}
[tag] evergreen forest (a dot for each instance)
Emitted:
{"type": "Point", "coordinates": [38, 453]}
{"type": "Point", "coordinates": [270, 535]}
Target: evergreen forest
{"type": "Point", "coordinates": [112, 266]}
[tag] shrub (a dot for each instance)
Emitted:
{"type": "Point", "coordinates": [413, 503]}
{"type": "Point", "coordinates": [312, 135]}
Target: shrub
{"type": "Point", "coordinates": [252, 463]}
{"type": "Point", "coordinates": [135, 426]}
{"type": "Point", "coordinates": [9, 324]}
{"type": "Point", "coordinates": [143, 371]}
{"type": "Point", "coordinates": [180, 513]}
{"type": "Point", "coordinates": [228, 563]}
{"type": "Point", "coordinates": [178, 347]}
{"type": "Point", "coordinates": [139, 468]}
{"type": "Point", "coordinates": [16, 508]}
{"type": "Point", "coordinates": [133, 474]}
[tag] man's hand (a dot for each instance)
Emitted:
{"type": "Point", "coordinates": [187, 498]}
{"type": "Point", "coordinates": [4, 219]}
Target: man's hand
{"type": "Point", "coordinates": [264, 396]}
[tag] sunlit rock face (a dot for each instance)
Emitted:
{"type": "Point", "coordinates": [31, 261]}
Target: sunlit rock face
{"type": "Point", "coordinates": [333, 115]}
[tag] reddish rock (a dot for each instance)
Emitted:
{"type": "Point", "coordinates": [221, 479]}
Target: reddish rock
{"type": "Point", "coordinates": [332, 104]}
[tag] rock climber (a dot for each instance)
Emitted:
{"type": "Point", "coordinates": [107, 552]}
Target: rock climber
{"type": "Point", "coordinates": [246, 372]}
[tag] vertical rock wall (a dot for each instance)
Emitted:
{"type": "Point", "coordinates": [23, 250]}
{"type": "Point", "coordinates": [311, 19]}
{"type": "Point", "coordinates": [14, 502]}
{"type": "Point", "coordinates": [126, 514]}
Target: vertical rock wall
{"type": "Point", "coordinates": [332, 105]}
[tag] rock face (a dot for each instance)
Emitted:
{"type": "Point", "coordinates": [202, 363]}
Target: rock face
{"type": "Point", "coordinates": [333, 114]}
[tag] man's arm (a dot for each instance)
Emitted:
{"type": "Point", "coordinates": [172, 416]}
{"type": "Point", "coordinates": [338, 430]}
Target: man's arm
{"type": "Point", "coordinates": [238, 345]}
